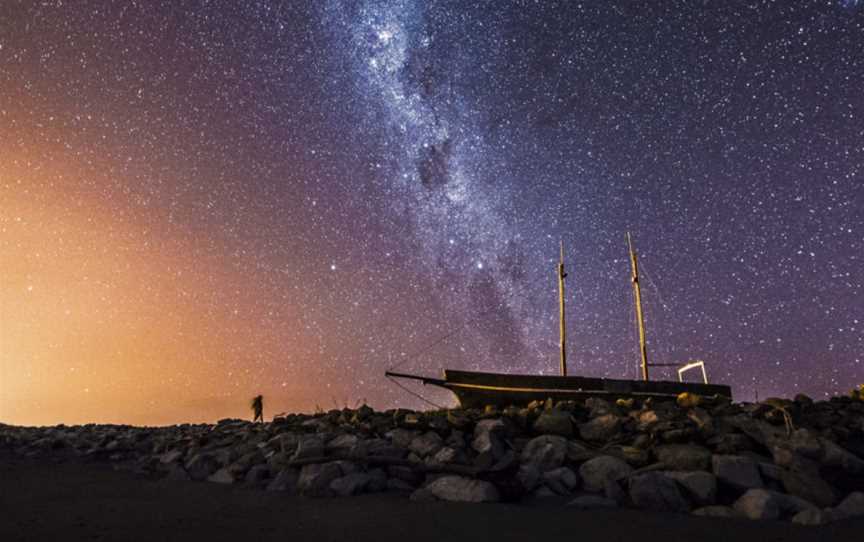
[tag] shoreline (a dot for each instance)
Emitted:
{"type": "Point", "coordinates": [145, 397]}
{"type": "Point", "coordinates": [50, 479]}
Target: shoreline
{"type": "Point", "coordinates": [72, 499]}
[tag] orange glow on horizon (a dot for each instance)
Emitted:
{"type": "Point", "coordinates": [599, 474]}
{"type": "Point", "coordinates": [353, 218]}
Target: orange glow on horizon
{"type": "Point", "coordinates": [105, 319]}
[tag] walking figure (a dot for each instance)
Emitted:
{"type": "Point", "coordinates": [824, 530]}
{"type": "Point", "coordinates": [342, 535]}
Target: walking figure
{"type": "Point", "coordinates": [258, 408]}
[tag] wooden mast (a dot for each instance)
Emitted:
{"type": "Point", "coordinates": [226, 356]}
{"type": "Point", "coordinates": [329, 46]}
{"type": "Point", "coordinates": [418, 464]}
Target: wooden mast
{"type": "Point", "coordinates": [561, 276]}
{"type": "Point", "coordinates": [640, 319]}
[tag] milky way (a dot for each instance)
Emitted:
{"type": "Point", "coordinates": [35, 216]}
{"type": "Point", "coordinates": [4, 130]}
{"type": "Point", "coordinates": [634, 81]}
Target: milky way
{"type": "Point", "coordinates": [210, 201]}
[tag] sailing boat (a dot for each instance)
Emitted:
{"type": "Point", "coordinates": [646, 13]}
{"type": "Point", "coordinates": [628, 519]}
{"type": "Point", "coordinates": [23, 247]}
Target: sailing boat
{"type": "Point", "coordinates": [476, 389]}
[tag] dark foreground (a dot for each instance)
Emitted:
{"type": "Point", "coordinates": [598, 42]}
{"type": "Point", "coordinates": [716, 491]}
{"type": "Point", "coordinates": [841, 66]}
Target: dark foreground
{"type": "Point", "coordinates": [72, 500]}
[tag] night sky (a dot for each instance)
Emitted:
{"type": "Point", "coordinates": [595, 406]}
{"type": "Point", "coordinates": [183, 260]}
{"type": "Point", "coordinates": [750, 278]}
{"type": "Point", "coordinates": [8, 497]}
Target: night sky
{"type": "Point", "coordinates": [203, 201]}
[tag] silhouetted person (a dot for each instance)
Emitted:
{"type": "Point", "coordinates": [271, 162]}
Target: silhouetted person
{"type": "Point", "coordinates": [258, 408]}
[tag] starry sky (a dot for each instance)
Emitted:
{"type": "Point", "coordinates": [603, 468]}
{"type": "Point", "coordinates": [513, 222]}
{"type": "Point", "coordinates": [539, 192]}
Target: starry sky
{"type": "Point", "coordinates": [202, 201]}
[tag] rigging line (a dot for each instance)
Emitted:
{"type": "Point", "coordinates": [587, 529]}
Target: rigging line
{"type": "Point", "coordinates": [415, 394]}
{"type": "Point", "coordinates": [423, 349]}
{"type": "Point", "coordinates": [661, 318]}
{"type": "Point", "coordinates": [653, 285]}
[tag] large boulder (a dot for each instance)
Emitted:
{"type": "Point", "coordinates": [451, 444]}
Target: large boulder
{"type": "Point", "coordinates": [487, 441]}
{"type": "Point", "coordinates": [834, 455]}
{"type": "Point", "coordinates": [309, 446]}
{"type": "Point", "coordinates": [597, 471]}
{"type": "Point", "coordinates": [352, 483]}
{"type": "Point", "coordinates": [257, 474]}
{"type": "Point", "coordinates": [222, 476]}
{"type": "Point", "coordinates": [458, 488]}
{"type": "Point", "coordinates": [202, 465]}
{"type": "Point", "coordinates": [562, 480]}
{"type": "Point", "coordinates": [700, 487]}
{"type": "Point", "coordinates": [684, 457]}
{"type": "Point", "coordinates": [315, 479]}
{"type": "Point", "coordinates": [767, 504]}
{"type": "Point", "coordinates": [601, 428]}
{"type": "Point", "coordinates": [655, 491]}
{"type": "Point", "coordinates": [554, 422]}
{"type": "Point", "coordinates": [808, 485]}
{"type": "Point", "coordinates": [426, 444]}
{"type": "Point", "coordinates": [758, 504]}
{"type": "Point", "coordinates": [737, 472]}
{"type": "Point", "coordinates": [545, 452]}
{"type": "Point", "coordinates": [851, 507]}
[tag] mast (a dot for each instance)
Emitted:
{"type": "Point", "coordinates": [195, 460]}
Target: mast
{"type": "Point", "coordinates": [640, 318]}
{"type": "Point", "coordinates": [561, 276]}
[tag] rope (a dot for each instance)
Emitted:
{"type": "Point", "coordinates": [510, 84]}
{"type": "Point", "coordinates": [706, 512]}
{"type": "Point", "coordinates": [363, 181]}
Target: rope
{"type": "Point", "coordinates": [424, 349]}
{"type": "Point", "coordinates": [435, 342]}
{"type": "Point", "coordinates": [415, 394]}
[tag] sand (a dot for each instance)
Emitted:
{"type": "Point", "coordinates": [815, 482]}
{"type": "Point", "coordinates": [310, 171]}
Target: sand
{"type": "Point", "coordinates": [68, 499]}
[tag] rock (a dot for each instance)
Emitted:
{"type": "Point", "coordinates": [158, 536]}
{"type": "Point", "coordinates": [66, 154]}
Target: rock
{"type": "Point", "coordinates": [635, 457]}
{"type": "Point", "coordinates": [700, 487]}
{"type": "Point", "coordinates": [762, 432]}
{"type": "Point", "coordinates": [174, 456]}
{"type": "Point", "coordinates": [716, 511]}
{"type": "Point", "coordinates": [201, 465]}
{"type": "Point", "coordinates": [803, 400]}
{"type": "Point", "coordinates": [402, 437]}
{"type": "Point", "coordinates": [806, 444]}
{"type": "Point", "coordinates": [458, 488]}
{"type": "Point", "coordinates": [378, 480]}
{"type": "Point", "coordinates": [592, 502]}
{"type": "Point", "coordinates": [554, 422]}
{"type": "Point", "coordinates": [647, 418]}
{"type": "Point", "coordinates": [595, 472]}
{"type": "Point", "coordinates": [458, 419]}
{"type": "Point", "coordinates": [222, 476]}
{"type": "Point", "coordinates": [308, 447]}
{"type": "Point", "coordinates": [343, 443]}
{"type": "Point", "coordinates": [731, 443]}
{"type": "Point", "coordinates": [766, 504]}
{"type": "Point", "coordinates": [758, 504]}
{"type": "Point", "coordinates": [351, 484]}
{"type": "Point", "coordinates": [487, 441]}
{"type": "Point", "coordinates": [561, 480]}
{"type": "Point", "coordinates": [702, 419]}
{"type": "Point", "coordinates": [612, 490]}
{"type": "Point", "coordinates": [315, 479]}
{"type": "Point", "coordinates": [851, 507]}
{"type": "Point", "coordinates": [835, 456]}
{"type": "Point", "coordinates": [426, 444]}
{"type": "Point", "coordinates": [543, 492]}
{"type": "Point", "coordinates": [546, 452]}
{"type": "Point", "coordinates": [810, 516]}
{"type": "Point", "coordinates": [598, 407]}
{"type": "Point", "coordinates": [601, 428]}
{"type": "Point", "coordinates": [685, 434]}
{"type": "Point", "coordinates": [808, 485]}
{"type": "Point", "coordinates": [529, 477]}
{"type": "Point", "coordinates": [736, 471]}
{"type": "Point", "coordinates": [684, 457]}
{"type": "Point", "coordinates": [363, 413]}
{"type": "Point", "coordinates": [447, 455]}
{"type": "Point", "coordinates": [655, 491]}
{"type": "Point", "coordinates": [257, 474]}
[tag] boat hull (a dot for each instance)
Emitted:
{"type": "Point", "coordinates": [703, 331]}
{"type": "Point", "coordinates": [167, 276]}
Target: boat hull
{"type": "Point", "coordinates": [476, 389]}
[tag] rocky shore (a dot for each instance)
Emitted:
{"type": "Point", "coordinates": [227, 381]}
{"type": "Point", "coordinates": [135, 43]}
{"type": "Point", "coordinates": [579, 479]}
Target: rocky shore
{"type": "Point", "coordinates": [795, 460]}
